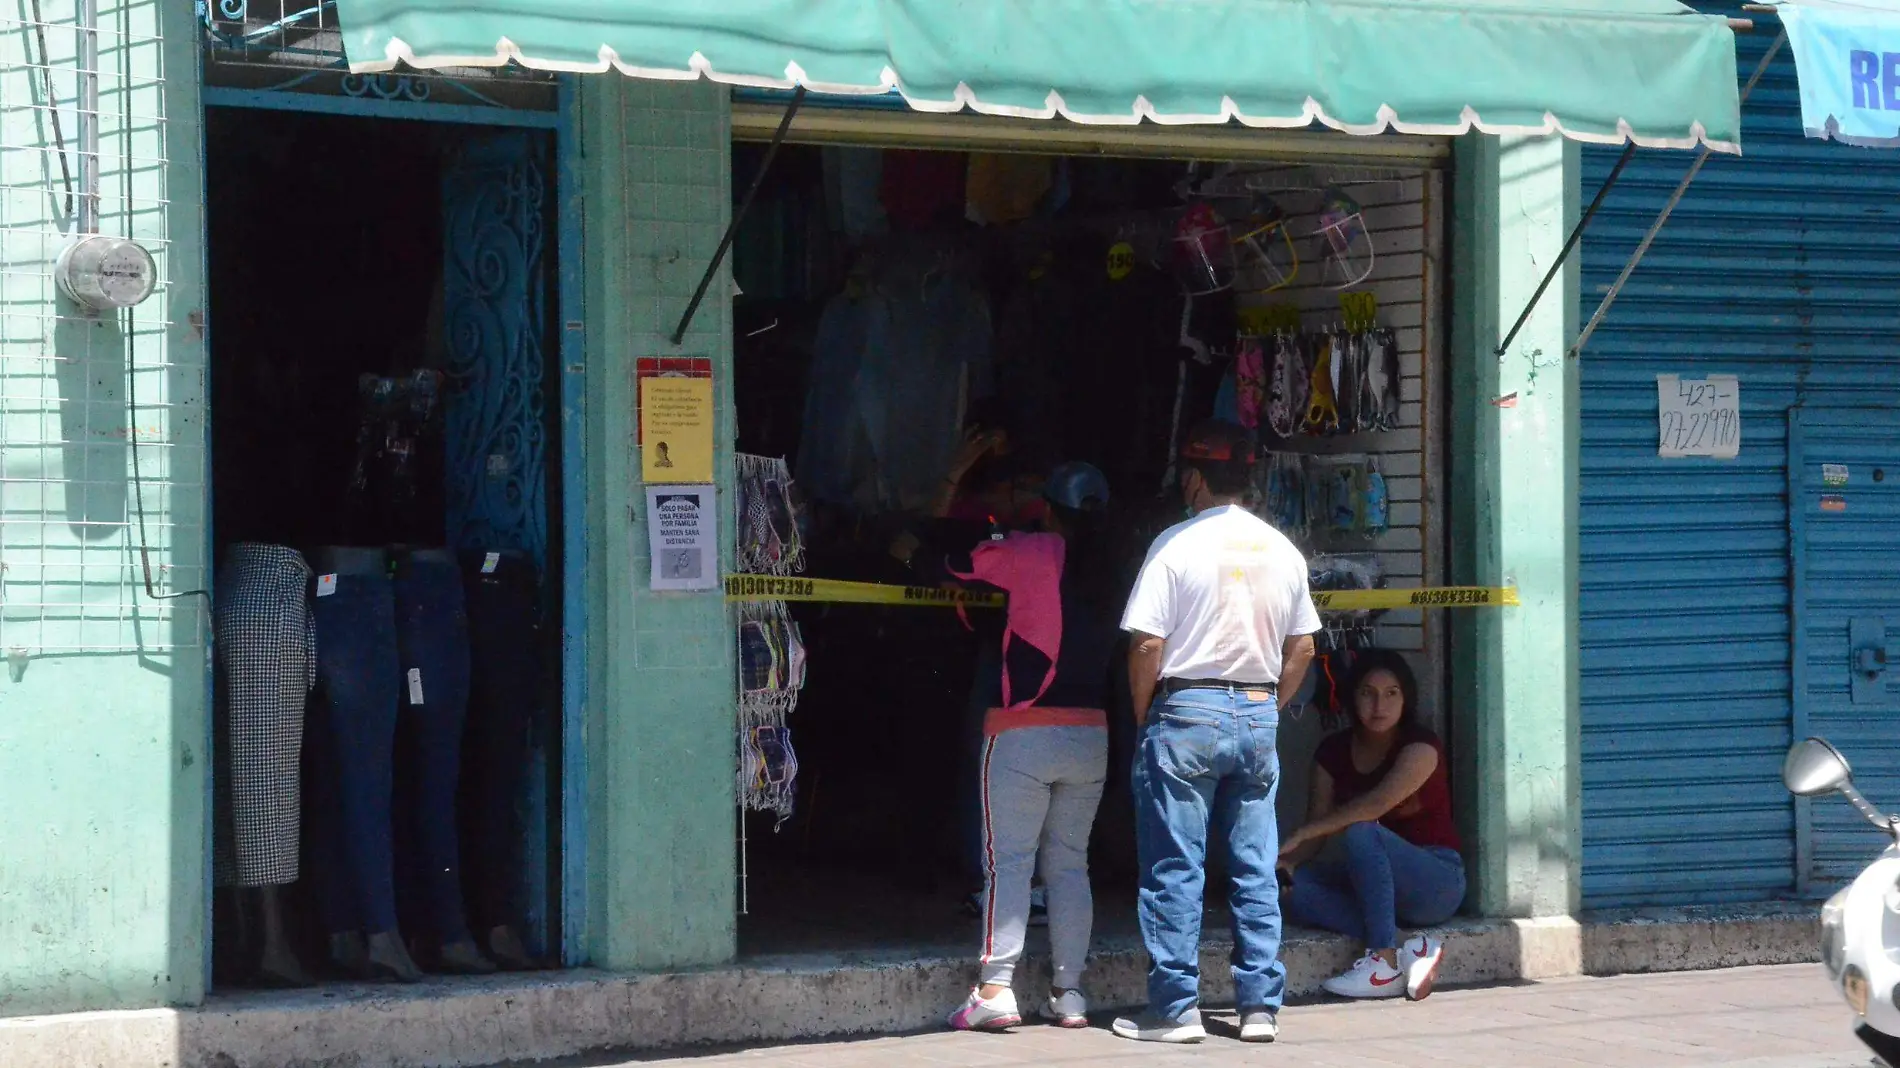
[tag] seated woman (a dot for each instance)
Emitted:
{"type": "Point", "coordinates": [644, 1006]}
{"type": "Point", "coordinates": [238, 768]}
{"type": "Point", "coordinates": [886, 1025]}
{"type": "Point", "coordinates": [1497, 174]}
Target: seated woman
{"type": "Point", "coordinates": [1381, 787]}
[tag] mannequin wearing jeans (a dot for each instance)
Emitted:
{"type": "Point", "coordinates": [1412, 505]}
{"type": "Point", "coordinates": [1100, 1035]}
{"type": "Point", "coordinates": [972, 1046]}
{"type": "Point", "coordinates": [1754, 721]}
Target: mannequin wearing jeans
{"type": "Point", "coordinates": [352, 741]}
{"type": "Point", "coordinates": [503, 594]}
{"type": "Point", "coordinates": [432, 643]}
{"type": "Point", "coordinates": [392, 643]}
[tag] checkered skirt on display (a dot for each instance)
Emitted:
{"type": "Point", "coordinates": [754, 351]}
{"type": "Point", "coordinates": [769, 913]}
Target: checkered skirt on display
{"type": "Point", "coordinates": [267, 664]}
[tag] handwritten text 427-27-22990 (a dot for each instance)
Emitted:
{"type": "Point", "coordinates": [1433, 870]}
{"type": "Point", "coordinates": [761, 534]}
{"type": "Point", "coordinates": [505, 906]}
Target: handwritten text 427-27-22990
{"type": "Point", "coordinates": [1698, 416]}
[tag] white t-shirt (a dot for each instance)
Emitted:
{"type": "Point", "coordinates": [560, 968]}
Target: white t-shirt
{"type": "Point", "coordinates": [1224, 589]}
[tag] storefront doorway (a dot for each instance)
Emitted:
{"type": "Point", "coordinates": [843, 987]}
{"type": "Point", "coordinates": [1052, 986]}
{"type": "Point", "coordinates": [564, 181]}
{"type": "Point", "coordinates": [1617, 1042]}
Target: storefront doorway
{"type": "Point", "coordinates": [1081, 308]}
{"type": "Point", "coordinates": [385, 489]}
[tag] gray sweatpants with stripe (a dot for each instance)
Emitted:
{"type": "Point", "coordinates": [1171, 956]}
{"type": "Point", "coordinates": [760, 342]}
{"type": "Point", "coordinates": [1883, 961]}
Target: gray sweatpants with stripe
{"type": "Point", "coordinates": [1041, 786]}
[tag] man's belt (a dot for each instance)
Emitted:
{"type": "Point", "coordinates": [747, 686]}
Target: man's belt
{"type": "Point", "coordinates": [1174, 686]}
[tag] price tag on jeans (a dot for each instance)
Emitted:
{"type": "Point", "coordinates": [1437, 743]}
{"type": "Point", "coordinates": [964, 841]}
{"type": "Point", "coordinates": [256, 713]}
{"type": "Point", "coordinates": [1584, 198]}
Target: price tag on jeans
{"type": "Point", "coordinates": [415, 686]}
{"type": "Point", "coordinates": [326, 585]}
{"type": "Point", "coordinates": [490, 562]}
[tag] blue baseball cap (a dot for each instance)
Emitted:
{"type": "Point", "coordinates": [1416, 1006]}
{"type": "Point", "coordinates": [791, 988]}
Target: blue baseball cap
{"type": "Point", "coordinates": [1078, 487]}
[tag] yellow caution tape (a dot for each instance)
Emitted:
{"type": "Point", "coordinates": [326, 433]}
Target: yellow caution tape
{"type": "Point", "coordinates": [773, 588]}
{"type": "Point", "coordinates": [1428, 597]}
{"type": "Point", "coordinates": [835, 591]}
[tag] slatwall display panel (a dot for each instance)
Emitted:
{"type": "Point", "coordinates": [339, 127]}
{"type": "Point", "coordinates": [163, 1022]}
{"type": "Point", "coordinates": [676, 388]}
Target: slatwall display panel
{"type": "Point", "coordinates": [1401, 215]}
{"type": "Point", "coordinates": [1404, 221]}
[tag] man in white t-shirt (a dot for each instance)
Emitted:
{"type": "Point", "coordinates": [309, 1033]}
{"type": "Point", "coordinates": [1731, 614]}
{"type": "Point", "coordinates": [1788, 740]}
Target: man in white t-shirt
{"type": "Point", "coordinates": [1221, 623]}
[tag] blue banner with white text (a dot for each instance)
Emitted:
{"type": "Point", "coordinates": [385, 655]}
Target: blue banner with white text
{"type": "Point", "coordinates": [1848, 58]}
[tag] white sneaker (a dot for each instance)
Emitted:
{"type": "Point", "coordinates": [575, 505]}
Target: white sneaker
{"type": "Point", "coordinates": [1369, 977]}
{"type": "Point", "coordinates": [997, 1014]}
{"type": "Point", "coordinates": [1420, 959]}
{"type": "Point", "coordinates": [1069, 1010]}
{"type": "Point", "coordinates": [1148, 1027]}
{"type": "Point", "coordinates": [1258, 1025]}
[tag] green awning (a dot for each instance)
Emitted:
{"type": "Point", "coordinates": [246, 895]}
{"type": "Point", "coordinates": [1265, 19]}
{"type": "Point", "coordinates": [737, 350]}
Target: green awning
{"type": "Point", "coordinates": [1651, 71]}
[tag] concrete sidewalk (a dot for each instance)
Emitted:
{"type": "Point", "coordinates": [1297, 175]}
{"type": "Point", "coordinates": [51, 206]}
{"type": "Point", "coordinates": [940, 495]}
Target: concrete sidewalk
{"type": "Point", "coordinates": [1774, 1017]}
{"type": "Point", "coordinates": [462, 1023]}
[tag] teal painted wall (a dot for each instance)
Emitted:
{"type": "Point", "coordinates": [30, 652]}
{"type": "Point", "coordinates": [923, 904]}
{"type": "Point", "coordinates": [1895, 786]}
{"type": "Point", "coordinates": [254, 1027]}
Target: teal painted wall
{"type": "Point", "coordinates": [1513, 511]}
{"type": "Point", "coordinates": [102, 722]}
{"type": "Point", "coordinates": [662, 706]}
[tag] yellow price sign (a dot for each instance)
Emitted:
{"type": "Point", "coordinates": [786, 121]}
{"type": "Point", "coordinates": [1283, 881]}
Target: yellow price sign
{"type": "Point", "coordinates": [1360, 310]}
{"type": "Point", "coordinates": [1121, 260]}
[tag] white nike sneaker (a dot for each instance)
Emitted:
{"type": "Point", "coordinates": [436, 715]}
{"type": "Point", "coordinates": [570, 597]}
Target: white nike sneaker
{"type": "Point", "coordinates": [1069, 1010]}
{"type": "Point", "coordinates": [1419, 959]}
{"type": "Point", "coordinates": [1369, 977]}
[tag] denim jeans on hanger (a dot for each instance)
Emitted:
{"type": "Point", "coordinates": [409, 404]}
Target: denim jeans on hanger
{"type": "Point", "coordinates": [432, 641]}
{"type": "Point", "coordinates": [506, 649]}
{"type": "Point", "coordinates": [352, 740]}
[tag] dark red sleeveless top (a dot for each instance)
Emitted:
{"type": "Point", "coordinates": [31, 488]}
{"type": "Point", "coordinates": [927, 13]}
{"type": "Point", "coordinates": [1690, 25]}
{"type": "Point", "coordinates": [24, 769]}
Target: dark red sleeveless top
{"type": "Point", "coordinates": [1424, 819]}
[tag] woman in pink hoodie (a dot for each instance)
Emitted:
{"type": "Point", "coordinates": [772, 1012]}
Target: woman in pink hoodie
{"type": "Point", "coordinates": [1045, 751]}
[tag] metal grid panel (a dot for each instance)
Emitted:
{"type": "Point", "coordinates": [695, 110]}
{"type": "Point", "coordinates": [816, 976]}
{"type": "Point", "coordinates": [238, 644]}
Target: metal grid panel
{"type": "Point", "coordinates": [90, 407]}
{"type": "Point", "coordinates": [297, 45]}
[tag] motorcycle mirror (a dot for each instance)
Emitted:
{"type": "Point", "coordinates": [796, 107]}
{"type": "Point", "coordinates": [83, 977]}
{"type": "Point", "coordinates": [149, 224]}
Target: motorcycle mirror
{"type": "Point", "coordinates": [1814, 768]}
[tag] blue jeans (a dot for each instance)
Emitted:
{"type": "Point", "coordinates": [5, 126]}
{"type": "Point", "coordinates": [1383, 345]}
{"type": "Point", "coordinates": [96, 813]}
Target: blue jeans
{"type": "Point", "coordinates": [352, 740]}
{"type": "Point", "coordinates": [1208, 760]}
{"type": "Point", "coordinates": [505, 708]}
{"type": "Point", "coordinates": [432, 642]}
{"type": "Point", "coordinates": [1383, 880]}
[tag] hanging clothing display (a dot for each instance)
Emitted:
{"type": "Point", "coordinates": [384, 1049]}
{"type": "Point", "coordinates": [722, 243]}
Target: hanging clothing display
{"type": "Point", "coordinates": [893, 366]}
{"type": "Point", "coordinates": [770, 542]}
{"type": "Point", "coordinates": [1089, 359]}
{"type": "Point", "coordinates": [771, 672]}
{"type": "Point", "coordinates": [1324, 383]}
{"type": "Point", "coordinates": [1344, 634]}
{"type": "Point", "coordinates": [266, 665]}
{"type": "Point", "coordinates": [1006, 187]}
{"type": "Point", "coordinates": [922, 189]}
{"type": "Point", "coordinates": [771, 648]}
{"type": "Point", "coordinates": [854, 180]}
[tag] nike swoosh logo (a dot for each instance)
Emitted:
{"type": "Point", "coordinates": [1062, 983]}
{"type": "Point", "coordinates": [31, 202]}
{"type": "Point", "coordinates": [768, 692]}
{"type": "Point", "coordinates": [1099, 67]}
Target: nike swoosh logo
{"type": "Point", "coordinates": [1376, 981]}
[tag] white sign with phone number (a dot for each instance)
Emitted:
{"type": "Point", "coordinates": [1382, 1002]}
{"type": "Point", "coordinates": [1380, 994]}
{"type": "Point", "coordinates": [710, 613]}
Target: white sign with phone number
{"type": "Point", "coordinates": [1698, 416]}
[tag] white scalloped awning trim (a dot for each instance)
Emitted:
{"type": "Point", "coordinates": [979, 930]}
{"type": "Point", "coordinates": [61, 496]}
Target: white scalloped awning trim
{"type": "Point", "coordinates": [397, 52]}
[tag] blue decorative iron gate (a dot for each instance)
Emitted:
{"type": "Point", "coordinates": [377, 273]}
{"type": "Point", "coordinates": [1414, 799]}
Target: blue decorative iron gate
{"type": "Point", "coordinates": [495, 288]}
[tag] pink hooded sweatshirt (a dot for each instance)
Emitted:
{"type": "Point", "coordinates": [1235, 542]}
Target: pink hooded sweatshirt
{"type": "Point", "coordinates": [1028, 567]}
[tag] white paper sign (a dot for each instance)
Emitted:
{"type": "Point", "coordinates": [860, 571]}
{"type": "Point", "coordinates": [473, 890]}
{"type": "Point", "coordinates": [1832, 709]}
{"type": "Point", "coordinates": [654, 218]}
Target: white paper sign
{"type": "Point", "coordinates": [1698, 416]}
{"type": "Point", "coordinates": [681, 538]}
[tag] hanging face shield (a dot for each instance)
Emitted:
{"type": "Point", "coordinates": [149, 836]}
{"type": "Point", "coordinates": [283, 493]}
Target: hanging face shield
{"type": "Point", "coordinates": [1203, 252]}
{"type": "Point", "coordinates": [1349, 255]}
{"type": "Point", "coordinates": [1266, 245]}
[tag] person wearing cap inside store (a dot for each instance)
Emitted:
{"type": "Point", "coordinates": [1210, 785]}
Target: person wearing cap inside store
{"type": "Point", "coordinates": [1045, 751]}
{"type": "Point", "coordinates": [994, 485]}
{"type": "Point", "coordinates": [1220, 623]}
